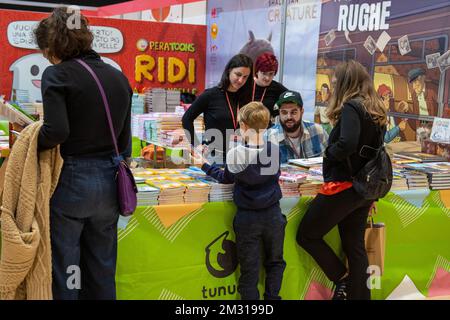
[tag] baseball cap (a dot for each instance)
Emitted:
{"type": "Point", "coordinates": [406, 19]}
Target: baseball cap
{"type": "Point", "coordinates": [414, 73]}
{"type": "Point", "coordinates": [290, 96]}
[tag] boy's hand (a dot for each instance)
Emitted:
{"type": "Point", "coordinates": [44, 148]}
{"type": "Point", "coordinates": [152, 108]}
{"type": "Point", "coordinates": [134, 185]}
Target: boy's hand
{"type": "Point", "coordinates": [197, 158]}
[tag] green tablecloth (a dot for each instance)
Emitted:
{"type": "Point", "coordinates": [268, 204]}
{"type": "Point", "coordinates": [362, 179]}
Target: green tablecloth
{"type": "Point", "coordinates": [191, 259]}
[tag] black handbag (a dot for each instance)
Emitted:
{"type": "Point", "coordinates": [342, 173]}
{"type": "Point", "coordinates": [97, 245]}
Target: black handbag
{"type": "Point", "coordinates": [374, 180]}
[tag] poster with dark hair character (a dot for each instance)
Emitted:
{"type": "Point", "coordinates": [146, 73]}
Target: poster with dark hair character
{"type": "Point", "coordinates": [405, 47]}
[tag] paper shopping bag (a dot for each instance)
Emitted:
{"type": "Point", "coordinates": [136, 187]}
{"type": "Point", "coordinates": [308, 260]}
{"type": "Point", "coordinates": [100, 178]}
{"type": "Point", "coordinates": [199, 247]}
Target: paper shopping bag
{"type": "Point", "coordinates": [375, 238]}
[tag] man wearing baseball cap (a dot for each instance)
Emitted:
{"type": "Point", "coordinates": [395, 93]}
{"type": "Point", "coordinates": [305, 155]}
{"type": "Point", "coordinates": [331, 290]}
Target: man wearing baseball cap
{"type": "Point", "coordinates": [296, 137]}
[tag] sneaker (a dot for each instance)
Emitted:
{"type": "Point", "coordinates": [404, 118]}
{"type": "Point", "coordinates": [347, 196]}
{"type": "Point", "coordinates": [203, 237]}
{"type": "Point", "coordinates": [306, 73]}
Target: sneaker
{"type": "Point", "coordinates": [340, 292]}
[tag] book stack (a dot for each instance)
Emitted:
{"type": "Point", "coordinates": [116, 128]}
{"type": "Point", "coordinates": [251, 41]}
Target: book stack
{"type": "Point", "coordinates": [399, 183]}
{"type": "Point", "coordinates": [416, 180]}
{"type": "Point", "coordinates": [160, 124]}
{"type": "Point", "coordinates": [307, 163]}
{"type": "Point", "coordinates": [165, 172]}
{"type": "Point", "coordinates": [172, 100]}
{"type": "Point", "coordinates": [147, 195]}
{"type": "Point", "coordinates": [195, 172]}
{"type": "Point", "coordinates": [138, 103]}
{"type": "Point", "coordinates": [177, 176]}
{"type": "Point", "coordinates": [293, 177]}
{"type": "Point", "coordinates": [289, 189]}
{"type": "Point", "coordinates": [141, 174]}
{"type": "Point", "coordinates": [137, 125]}
{"type": "Point", "coordinates": [438, 173]}
{"type": "Point", "coordinates": [174, 139]}
{"type": "Point", "coordinates": [196, 191]}
{"type": "Point", "coordinates": [155, 100]}
{"type": "Point", "coordinates": [315, 173]}
{"type": "Point", "coordinates": [400, 161]}
{"type": "Point", "coordinates": [170, 191]}
{"type": "Point", "coordinates": [310, 188]}
{"type": "Point", "coordinates": [21, 96]}
{"type": "Point", "coordinates": [219, 192]}
{"type": "Point", "coordinates": [419, 156]}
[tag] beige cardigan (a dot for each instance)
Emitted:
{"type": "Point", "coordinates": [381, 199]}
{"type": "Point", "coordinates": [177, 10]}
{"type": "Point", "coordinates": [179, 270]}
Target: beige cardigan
{"type": "Point", "coordinates": [30, 179]}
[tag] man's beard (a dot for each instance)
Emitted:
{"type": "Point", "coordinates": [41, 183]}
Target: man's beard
{"type": "Point", "coordinates": [293, 128]}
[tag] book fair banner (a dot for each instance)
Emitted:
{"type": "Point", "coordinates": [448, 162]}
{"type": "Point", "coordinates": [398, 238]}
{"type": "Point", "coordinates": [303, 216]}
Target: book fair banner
{"type": "Point", "coordinates": [150, 54]}
{"type": "Point", "coordinates": [405, 47]}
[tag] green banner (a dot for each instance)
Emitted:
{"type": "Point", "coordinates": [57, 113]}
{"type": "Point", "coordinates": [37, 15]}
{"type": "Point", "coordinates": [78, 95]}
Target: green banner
{"type": "Point", "coordinates": [194, 258]}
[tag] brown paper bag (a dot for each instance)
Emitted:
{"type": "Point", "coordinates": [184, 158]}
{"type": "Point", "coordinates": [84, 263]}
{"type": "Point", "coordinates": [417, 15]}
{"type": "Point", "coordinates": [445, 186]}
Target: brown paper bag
{"type": "Point", "coordinates": [375, 238]}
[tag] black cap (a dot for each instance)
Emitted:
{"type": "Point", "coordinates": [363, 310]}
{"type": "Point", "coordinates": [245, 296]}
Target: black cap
{"type": "Point", "coordinates": [290, 96]}
{"type": "Point", "coordinates": [414, 73]}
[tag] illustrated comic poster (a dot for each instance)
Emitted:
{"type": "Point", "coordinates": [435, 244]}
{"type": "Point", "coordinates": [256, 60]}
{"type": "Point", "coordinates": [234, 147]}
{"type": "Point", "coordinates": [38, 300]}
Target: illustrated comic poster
{"type": "Point", "coordinates": [404, 46]}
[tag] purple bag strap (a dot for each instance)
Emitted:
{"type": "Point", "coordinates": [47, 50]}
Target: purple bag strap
{"type": "Point", "coordinates": [105, 102]}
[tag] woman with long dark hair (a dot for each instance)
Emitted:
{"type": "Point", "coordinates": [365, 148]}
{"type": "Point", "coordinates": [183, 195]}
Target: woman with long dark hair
{"type": "Point", "coordinates": [220, 106]}
{"type": "Point", "coordinates": [84, 208]}
{"type": "Point", "coordinates": [359, 119]}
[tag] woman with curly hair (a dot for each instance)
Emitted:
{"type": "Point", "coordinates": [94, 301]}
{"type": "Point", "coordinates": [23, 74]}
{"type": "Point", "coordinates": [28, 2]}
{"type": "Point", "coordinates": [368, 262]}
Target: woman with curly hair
{"type": "Point", "coordinates": [84, 208]}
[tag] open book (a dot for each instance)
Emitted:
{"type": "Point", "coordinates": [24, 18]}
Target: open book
{"type": "Point", "coordinates": [14, 113]}
{"type": "Point", "coordinates": [307, 162]}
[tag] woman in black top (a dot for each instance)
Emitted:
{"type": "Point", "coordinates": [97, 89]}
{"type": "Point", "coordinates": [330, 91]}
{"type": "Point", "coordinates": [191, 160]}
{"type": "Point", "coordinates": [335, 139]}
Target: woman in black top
{"type": "Point", "coordinates": [265, 89]}
{"type": "Point", "coordinates": [84, 209]}
{"type": "Point", "coordinates": [220, 106]}
{"type": "Point", "coordinates": [357, 114]}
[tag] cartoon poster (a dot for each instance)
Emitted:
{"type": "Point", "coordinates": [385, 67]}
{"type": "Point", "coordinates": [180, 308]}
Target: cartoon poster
{"type": "Point", "coordinates": [254, 27]}
{"type": "Point", "coordinates": [405, 47]}
{"type": "Point", "coordinates": [151, 54]}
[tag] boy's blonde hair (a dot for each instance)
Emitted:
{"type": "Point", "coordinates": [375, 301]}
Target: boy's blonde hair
{"type": "Point", "coordinates": [255, 115]}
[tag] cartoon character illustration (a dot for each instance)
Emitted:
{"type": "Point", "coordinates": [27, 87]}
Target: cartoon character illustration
{"type": "Point", "coordinates": [320, 111]}
{"type": "Point", "coordinates": [27, 74]}
{"type": "Point", "coordinates": [111, 62]}
{"type": "Point", "coordinates": [395, 127]}
{"type": "Point", "coordinates": [423, 96]}
{"type": "Point", "coordinates": [256, 47]}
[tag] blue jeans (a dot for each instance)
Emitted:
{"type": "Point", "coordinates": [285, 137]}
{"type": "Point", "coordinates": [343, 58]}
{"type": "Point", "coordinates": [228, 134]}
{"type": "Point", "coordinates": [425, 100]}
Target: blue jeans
{"type": "Point", "coordinates": [256, 232]}
{"type": "Point", "coordinates": [83, 224]}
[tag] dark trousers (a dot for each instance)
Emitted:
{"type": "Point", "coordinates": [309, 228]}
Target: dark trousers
{"type": "Point", "coordinates": [349, 211]}
{"type": "Point", "coordinates": [258, 231]}
{"type": "Point", "coordinates": [83, 224]}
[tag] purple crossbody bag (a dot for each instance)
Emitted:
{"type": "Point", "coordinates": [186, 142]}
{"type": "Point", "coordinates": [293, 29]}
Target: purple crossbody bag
{"type": "Point", "coordinates": [126, 186]}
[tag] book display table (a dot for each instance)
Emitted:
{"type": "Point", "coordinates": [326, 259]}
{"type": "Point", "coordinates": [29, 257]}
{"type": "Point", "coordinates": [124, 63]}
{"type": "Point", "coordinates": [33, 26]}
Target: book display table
{"type": "Point", "coordinates": [187, 251]}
